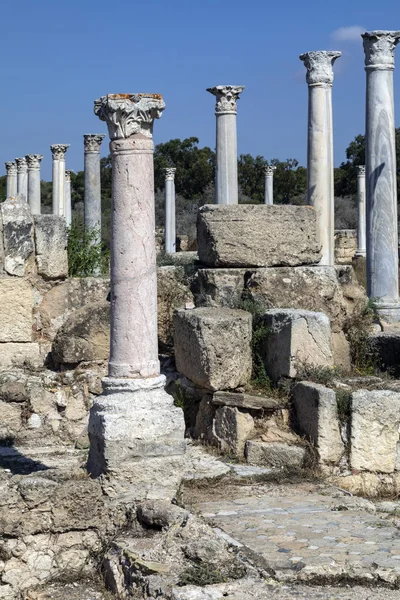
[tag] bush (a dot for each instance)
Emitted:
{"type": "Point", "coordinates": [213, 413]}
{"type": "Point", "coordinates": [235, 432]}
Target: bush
{"type": "Point", "coordinates": [86, 255]}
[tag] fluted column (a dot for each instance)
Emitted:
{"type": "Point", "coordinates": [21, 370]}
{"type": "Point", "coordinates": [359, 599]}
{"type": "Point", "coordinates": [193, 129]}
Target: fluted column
{"type": "Point", "coordinates": [11, 168]}
{"type": "Point", "coordinates": [68, 202]}
{"type": "Point", "coordinates": [34, 195]}
{"type": "Point", "coordinates": [22, 177]}
{"type": "Point", "coordinates": [320, 191]}
{"type": "Point", "coordinates": [226, 177]}
{"type": "Point", "coordinates": [269, 185]}
{"type": "Point", "coordinates": [380, 174]}
{"type": "Point", "coordinates": [170, 230]}
{"type": "Point", "coordinates": [92, 198]}
{"type": "Point", "coordinates": [361, 232]}
{"type": "Point", "coordinates": [136, 434]}
{"type": "Point", "coordinates": [58, 151]}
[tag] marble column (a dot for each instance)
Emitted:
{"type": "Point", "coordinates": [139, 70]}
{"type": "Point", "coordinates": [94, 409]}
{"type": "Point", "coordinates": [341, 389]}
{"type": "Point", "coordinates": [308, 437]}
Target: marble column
{"type": "Point", "coordinates": [269, 185]}
{"type": "Point", "coordinates": [11, 168]}
{"type": "Point", "coordinates": [170, 229]}
{"type": "Point", "coordinates": [68, 202]}
{"type": "Point", "coordinates": [226, 178]}
{"type": "Point", "coordinates": [380, 174]}
{"type": "Point", "coordinates": [92, 194]}
{"type": "Point", "coordinates": [34, 194]}
{"type": "Point", "coordinates": [361, 233]}
{"type": "Point", "coordinates": [22, 177]}
{"type": "Point", "coordinates": [58, 151]}
{"type": "Point", "coordinates": [136, 434]}
{"type": "Point", "coordinates": [320, 192]}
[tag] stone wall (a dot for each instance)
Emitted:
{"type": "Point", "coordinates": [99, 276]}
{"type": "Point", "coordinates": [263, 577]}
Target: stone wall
{"type": "Point", "coordinates": [345, 246]}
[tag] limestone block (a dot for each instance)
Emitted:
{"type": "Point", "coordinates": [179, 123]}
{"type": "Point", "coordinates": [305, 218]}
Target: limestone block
{"type": "Point", "coordinates": [232, 429]}
{"type": "Point", "coordinates": [247, 401]}
{"type": "Point", "coordinates": [317, 418]}
{"type": "Point", "coordinates": [250, 235]}
{"type": "Point", "coordinates": [218, 287]}
{"type": "Point", "coordinates": [213, 346]}
{"type": "Point", "coordinates": [10, 419]}
{"type": "Point", "coordinates": [17, 235]}
{"type": "Point", "coordinates": [51, 246]}
{"type": "Point", "coordinates": [274, 454]}
{"type": "Point", "coordinates": [397, 463]}
{"type": "Point", "coordinates": [345, 246]}
{"type": "Point", "coordinates": [375, 422]}
{"type": "Point", "coordinates": [295, 338]}
{"type": "Point", "coordinates": [172, 293]}
{"type": "Point", "coordinates": [203, 428]}
{"type": "Point", "coordinates": [341, 350]}
{"type": "Point", "coordinates": [16, 307]}
{"type": "Point", "coordinates": [20, 354]}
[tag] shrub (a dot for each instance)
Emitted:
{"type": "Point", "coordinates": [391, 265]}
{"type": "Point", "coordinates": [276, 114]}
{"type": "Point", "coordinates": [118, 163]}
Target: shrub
{"type": "Point", "coordinates": [86, 255]}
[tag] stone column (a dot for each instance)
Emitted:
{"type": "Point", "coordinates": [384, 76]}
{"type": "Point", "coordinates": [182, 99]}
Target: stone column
{"type": "Point", "coordinates": [92, 199]}
{"type": "Point", "coordinates": [226, 178]}
{"type": "Point", "coordinates": [68, 203]}
{"type": "Point", "coordinates": [136, 434]}
{"type": "Point", "coordinates": [320, 192]}
{"type": "Point", "coordinates": [269, 185]}
{"type": "Point", "coordinates": [22, 177]}
{"type": "Point", "coordinates": [170, 230]}
{"type": "Point", "coordinates": [361, 234]}
{"type": "Point", "coordinates": [34, 195]}
{"type": "Point", "coordinates": [11, 168]}
{"type": "Point", "coordinates": [58, 151]}
{"type": "Point", "coordinates": [380, 174]}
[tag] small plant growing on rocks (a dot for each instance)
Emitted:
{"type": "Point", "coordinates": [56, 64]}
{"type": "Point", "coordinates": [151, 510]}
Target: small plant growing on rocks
{"type": "Point", "coordinates": [86, 255]}
{"type": "Point", "coordinates": [357, 330]}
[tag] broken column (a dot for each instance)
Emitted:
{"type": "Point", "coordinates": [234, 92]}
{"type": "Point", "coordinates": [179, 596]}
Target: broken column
{"type": "Point", "coordinates": [269, 185]}
{"type": "Point", "coordinates": [92, 197]}
{"type": "Point", "coordinates": [58, 151]}
{"type": "Point", "coordinates": [361, 235]}
{"type": "Point", "coordinates": [11, 168]}
{"type": "Point", "coordinates": [380, 173]}
{"type": "Point", "coordinates": [136, 433]}
{"type": "Point", "coordinates": [68, 201]}
{"type": "Point", "coordinates": [226, 178]}
{"type": "Point", "coordinates": [170, 229]}
{"type": "Point", "coordinates": [34, 196]}
{"type": "Point", "coordinates": [22, 177]}
{"type": "Point", "coordinates": [320, 192]}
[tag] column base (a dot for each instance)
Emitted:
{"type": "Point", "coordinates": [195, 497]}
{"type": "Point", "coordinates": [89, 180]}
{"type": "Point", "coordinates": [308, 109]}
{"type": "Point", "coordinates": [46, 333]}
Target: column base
{"type": "Point", "coordinates": [137, 438]}
{"type": "Point", "coordinates": [388, 312]}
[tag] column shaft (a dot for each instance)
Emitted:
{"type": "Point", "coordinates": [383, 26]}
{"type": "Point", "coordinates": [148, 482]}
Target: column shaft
{"type": "Point", "coordinates": [68, 203]}
{"type": "Point", "coordinates": [269, 185]}
{"type": "Point", "coordinates": [361, 227]}
{"type": "Point", "coordinates": [58, 152]}
{"type": "Point", "coordinates": [55, 188]}
{"type": "Point", "coordinates": [170, 232]}
{"type": "Point", "coordinates": [22, 177]}
{"type": "Point", "coordinates": [226, 179]}
{"type": "Point", "coordinates": [34, 193]}
{"type": "Point", "coordinates": [11, 179]}
{"type": "Point", "coordinates": [92, 194]}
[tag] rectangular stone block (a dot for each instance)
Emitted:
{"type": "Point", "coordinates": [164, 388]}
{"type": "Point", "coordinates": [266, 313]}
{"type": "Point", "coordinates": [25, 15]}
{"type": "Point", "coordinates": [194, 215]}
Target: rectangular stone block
{"type": "Point", "coordinates": [232, 429]}
{"type": "Point", "coordinates": [20, 355]}
{"type": "Point", "coordinates": [317, 418]}
{"type": "Point", "coordinates": [15, 310]}
{"type": "Point", "coordinates": [251, 235]}
{"type": "Point", "coordinates": [375, 421]}
{"type": "Point", "coordinates": [213, 346]}
{"type": "Point", "coordinates": [275, 454]}
{"type": "Point", "coordinates": [17, 236]}
{"type": "Point", "coordinates": [51, 246]}
{"type": "Point", "coordinates": [295, 338]}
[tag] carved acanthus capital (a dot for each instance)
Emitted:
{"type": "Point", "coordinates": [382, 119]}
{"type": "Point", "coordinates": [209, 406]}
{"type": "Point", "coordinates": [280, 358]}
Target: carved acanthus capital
{"type": "Point", "coordinates": [319, 66]}
{"type": "Point", "coordinates": [68, 175]}
{"type": "Point", "coordinates": [58, 151]}
{"type": "Point", "coordinates": [33, 161]}
{"type": "Point", "coordinates": [379, 49]}
{"type": "Point", "coordinates": [226, 95]}
{"type": "Point", "coordinates": [11, 168]}
{"type": "Point", "coordinates": [128, 114]}
{"type": "Point", "coordinates": [92, 142]}
{"type": "Point", "coordinates": [169, 173]}
{"type": "Point", "coordinates": [269, 170]}
{"type": "Point", "coordinates": [361, 171]}
{"type": "Point", "coordinates": [22, 167]}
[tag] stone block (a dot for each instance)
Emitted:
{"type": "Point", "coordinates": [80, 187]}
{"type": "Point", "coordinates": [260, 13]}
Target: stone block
{"type": "Point", "coordinates": [20, 354]}
{"type": "Point", "coordinates": [295, 338]}
{"type": "Point", "coordinates": [17, 236]}
{"type": "Point", "coordinates": [172, 293]}
{"type": "Point", "coordinates": [10, 420]}
{"type": "Point", "coordinates": [213, 346]}
{"type": "Point", "coordinates": [51, 246]}
{"type": "Point", "coordinates": [275, 454]}
{"type": "Point", "coordinates": [232, 429]}
{"type": "Point", "coordinates": [218, 287]}
{"type": "Point", "coordinates": [247, 401]}
{"type": "Point", "coordinates": [250, 235]}
{"type": "Point", "coordinates": [375, 421]}
{"type": "Point", "coordinates": [16, 308]}
{"type": "Point", "coordinates": [345, 246]}
{"type": "Point", "coordinates": [341, 350]}
{"type": "Point", "coordinates": [317, 418]}
{"type": "Point", "coordinates": [203, 428]}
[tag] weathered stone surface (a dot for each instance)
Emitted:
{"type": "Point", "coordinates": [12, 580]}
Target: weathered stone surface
{"type": "Point", "coordinates": [218, 287]}
{"type": "Point", "coordinates": [275, 454]}
{"type": "Point", "coordinates": [232, 429]}
{"type": "Point", "coordinates": [317, 418]}
{"type": "Point", "coordinates": [203, 428]}
{"type": "Point", "coordinates": [18, 354]}
{"type": "Point", "coordinates": [247, 401]}
{"type": "Point", "coordinates": [375, 422]}
{"type": "Point", "coordinates": [385, 346]}
{"type": "Point", "coordinates": [172, 293]}
{"type": "Point", "coordinates": [250, 235]}
{"type": "Point", "coordinates": [15, 310]}
{"type": "Point", "coordinates": [341, 350]}
{"type": "Point", "coordinates": [213, 346]}
{"type": "Point", "coordinates": [51, 246]}
{"type": "Point", "coordinates": [10, 420]}
{"type": "Point", "coordinates": [85, 336]}
{"type": "Point", "coordinates": [295, 338]}
{"type": "Point", "coordinates": [17, 235]}
{"type": "Point", "coordinates": [345, 246]}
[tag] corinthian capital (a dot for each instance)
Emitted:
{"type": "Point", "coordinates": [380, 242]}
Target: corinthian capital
{"type": "Point", "coordinates": [379, 49]}
{"type": "Point", "coordinates": [127, 114]}
{"type": "Point", "coordinates": [92, 142]}
{"type": "Point", "coordinates": [22, 167]}
{"type": "Point", "coordinates": [319, 66]}
{"type": "Point", "coordinates": [360, 171]}
{"type": "Point", "coordinates": [269, 170]}
{"type": "Point", "coordinates": [58, 151]}
{"type": "Point", "coordinates": [169, 173]}
{"type": "Point", "coordinates": [68, 175]}
{"type": "Point", "coordinates": [33, 161]}
{"type": "Point", "coordinates": [11, 167]}
{"type": "Point", "coordinates": [226, 95]}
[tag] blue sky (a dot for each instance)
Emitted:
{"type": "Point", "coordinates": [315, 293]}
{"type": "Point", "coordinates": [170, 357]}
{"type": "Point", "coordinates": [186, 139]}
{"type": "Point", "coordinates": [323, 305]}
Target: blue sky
{"type": "Point", "coordinates": [59, 56]}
